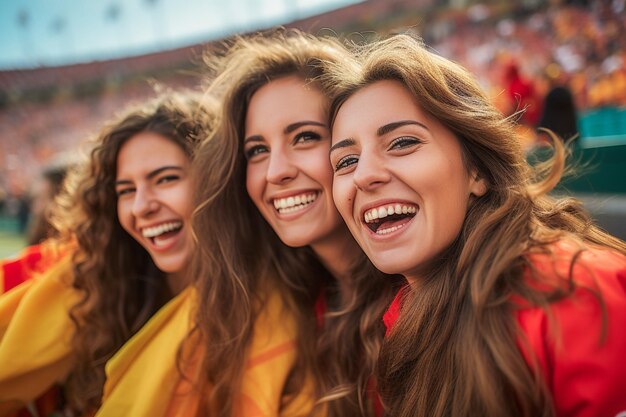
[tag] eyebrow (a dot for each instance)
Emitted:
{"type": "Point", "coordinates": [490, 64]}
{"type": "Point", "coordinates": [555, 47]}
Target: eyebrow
{"type": "Point", "coordinates": [383, 130]}
{"type": "Point", "coordinates": [253, 138]}
{"type": "Point", "coordinates": [342, 144]}
{"type": "Point", "coordinates": [289, 129]}
{"type": "Point", "coordinates": [151, 174]}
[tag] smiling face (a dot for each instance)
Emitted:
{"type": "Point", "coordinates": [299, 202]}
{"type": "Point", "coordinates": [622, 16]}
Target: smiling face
{"type": "Point", "coordinates": [400, 181]}
{"type": "Point", "coordinates": [154, 198]}
{"type": "Point", "coordinates": [288, 175]}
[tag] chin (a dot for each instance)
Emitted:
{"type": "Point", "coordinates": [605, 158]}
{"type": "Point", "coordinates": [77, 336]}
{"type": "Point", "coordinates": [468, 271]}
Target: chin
{"type": "Point", "coordinates": [294, 238]}
{"type": "Point", "coordinates": [387, 268]}
{"type": "Point", "coordinates": [295, 242]}
{"type": "Point", "coordinates": [389, 264]}
{"type": "Point", "coordinates": [170, 267]}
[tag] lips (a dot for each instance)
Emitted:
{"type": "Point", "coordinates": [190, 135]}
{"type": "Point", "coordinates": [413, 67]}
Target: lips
{"type": "Point", "coordinates": [389, 217]}
{"type": "Point", "coordinates": [295, 202]}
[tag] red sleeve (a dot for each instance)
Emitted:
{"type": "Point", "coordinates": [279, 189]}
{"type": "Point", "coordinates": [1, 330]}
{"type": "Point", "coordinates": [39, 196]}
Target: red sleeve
{"type": "Point", "coordinates": [585, 373]}
{"type": "Point", "coordinates": [33, 260]}
{"type": "Point", "coordinates": [15, 271]}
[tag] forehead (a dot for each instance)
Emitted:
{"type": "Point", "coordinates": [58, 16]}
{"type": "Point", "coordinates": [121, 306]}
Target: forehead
{"type": "Point", "coordinates": [284, 101]}
{"type": "Point", "coordinates": [375, 105]}
{"type": "Point", "coordinates": [149, 150]}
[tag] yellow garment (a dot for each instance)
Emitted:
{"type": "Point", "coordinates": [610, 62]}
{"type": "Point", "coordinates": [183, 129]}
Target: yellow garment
{"type": "Point", "coordinates": [35, 335]}
{"type": "Point", "coordinates": [272, 355]}
{"type": "Point", "coordinates": [142, 377]}
{"type": "Point", "coordinates": [142, 374]}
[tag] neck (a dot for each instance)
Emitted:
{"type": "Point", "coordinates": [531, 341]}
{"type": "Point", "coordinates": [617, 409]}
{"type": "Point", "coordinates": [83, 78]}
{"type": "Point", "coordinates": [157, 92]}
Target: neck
{"type": "Point", "coordinates": [412, 280]}
{"type": "Point", "coordinates": [177, 281]}
{"type": "Point", "coordinates": [337, 253]}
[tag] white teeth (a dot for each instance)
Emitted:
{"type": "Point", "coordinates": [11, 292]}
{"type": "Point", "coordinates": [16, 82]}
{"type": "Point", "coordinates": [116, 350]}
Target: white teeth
{"type": "Point", "coordinates": [294, 203]}
{"type": "Point", "coordinates": [381, 231]}
{"type": "Point", "coordinates": [154, 231]}
{"type": "Point", "coordinates": [384, 211]}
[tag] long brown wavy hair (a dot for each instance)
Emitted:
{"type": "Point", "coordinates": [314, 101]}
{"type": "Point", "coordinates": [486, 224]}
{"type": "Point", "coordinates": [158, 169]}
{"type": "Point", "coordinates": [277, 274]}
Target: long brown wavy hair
{"type": "Point", "coordinates": [239, 255]}
{"type": "Point", "coordinates": [120, 286]}
{"type": "Point", "coordinates": [453, 351]}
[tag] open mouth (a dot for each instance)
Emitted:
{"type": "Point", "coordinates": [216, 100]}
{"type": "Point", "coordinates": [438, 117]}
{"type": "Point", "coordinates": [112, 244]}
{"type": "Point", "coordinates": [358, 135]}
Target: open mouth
{"type": "Point", "coordinates": [389, 217]}
{"type": "Point", "coordinates": [160, 234]}
{"type": "Point", "coordinates": [294, 203]}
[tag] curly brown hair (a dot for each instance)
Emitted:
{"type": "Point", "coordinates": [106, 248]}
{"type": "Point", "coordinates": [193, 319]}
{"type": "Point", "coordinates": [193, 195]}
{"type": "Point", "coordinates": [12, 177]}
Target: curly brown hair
{"type": "Point", "coordinates": [120, 286]}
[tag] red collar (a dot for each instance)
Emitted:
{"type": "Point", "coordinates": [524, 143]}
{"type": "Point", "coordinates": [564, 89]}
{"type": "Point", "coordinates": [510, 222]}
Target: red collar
{"type": "Point", "coordinates": [320, 309]}
{"type": "Point", "coordinates": [393, 312]}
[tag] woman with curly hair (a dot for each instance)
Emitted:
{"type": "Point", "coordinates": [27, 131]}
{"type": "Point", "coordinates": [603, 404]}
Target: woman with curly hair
{"type": "Point", "coordinates": [270, 240]}
{"type": "Point", "coordinates": [515, 301]}
{"type": "Point", "coordinates": [127, 214]}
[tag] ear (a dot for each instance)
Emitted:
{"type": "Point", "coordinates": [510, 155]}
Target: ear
{"type": "Point", "coordinates": [478, 185]}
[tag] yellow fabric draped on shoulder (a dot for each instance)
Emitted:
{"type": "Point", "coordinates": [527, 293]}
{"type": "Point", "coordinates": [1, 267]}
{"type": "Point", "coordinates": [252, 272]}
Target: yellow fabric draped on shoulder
{"type": "Point", "coordinates": [272, 355]}
{"type": "Point", "coordinates": [35, 336]}
{"type": "Point", "coordinates": [142, 375]}
{"type": "Point", "coordinates": [271, 358]}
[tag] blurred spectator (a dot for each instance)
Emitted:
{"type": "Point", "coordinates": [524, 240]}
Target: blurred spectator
{"type": "Point", "coordinates": [586, 39]}
{"type": "Point", "coordinates": [559, 109]}
{"type": "Point", "coordinates": [16, 204]}
{"type": "Point", "coordinates": [43, 193]}
{"type": "Point", "coordinates": [559, 114]}
{"type": "Point", "coordinates": [522, 95]}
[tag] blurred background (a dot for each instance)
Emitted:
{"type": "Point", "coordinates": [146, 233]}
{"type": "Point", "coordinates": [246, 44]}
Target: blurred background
{"type": "Point", "coordinates": [67, 66]}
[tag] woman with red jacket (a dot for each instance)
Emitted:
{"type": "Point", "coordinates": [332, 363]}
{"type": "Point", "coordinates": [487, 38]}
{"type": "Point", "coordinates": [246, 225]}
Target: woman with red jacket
{"type": "Point", "coordinates": [515, 301]}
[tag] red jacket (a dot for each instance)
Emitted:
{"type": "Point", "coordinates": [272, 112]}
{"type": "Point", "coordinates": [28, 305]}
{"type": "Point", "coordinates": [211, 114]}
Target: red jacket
{"type": "Point", "coordinates": [585, 373]}
{"type": "Point", "coordinates": [32, 260]}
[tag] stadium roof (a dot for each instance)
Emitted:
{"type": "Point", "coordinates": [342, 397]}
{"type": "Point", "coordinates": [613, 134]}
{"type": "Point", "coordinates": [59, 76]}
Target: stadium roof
{"type": "Point", "coordinates": [36, 33]}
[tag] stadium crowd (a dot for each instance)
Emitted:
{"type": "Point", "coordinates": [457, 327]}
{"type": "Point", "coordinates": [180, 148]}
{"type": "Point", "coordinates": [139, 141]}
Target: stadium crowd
{"type": "Point", "coordinates": [580, 45]}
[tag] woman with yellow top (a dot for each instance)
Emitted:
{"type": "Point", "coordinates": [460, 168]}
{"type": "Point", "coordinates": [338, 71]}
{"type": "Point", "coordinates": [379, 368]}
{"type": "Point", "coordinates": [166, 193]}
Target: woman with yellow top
{"type": "Point", "coordinates": [97, 311]}
{"type": "Point", "coordinates": [266, 220]}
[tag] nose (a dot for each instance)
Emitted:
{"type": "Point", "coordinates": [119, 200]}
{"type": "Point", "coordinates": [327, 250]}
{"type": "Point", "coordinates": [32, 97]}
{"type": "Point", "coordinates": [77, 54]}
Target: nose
{"type": "Point", "coordinates": [144, 203]}
{"type": "Point", "coordinates": [370, 172]}
{"type": "Point", "coordinates": [281, 168]}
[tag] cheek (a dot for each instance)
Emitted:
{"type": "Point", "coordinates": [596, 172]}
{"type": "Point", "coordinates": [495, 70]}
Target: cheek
{"type": "Point", "coordinates": [186, 201]}
{"type": "Point", "coordinates": [317, 165]}
{"type": "Point", "coordinates": [254, 184]}
{"type": "Point", "coordinates": [451, 211]}
{"type": "Point", "coordinates": [124, 216]}
{"type": "Point", "coordinates": [343, 197]}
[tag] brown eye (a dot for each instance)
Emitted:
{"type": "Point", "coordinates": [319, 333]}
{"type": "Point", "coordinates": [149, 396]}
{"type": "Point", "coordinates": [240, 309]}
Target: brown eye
{"type": "Point", "coordinates": [124, 191]}
{"type": "Point", "coordinates": [345, 162]}
{"type": "Point", "coordinates": [306, 136]}
{"type": "Point", "coordinates": [168, 178]}
{"type": "Point", "coordinates": [255, 150]}
{"type": "Point", "coordinates": [404, 142]}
